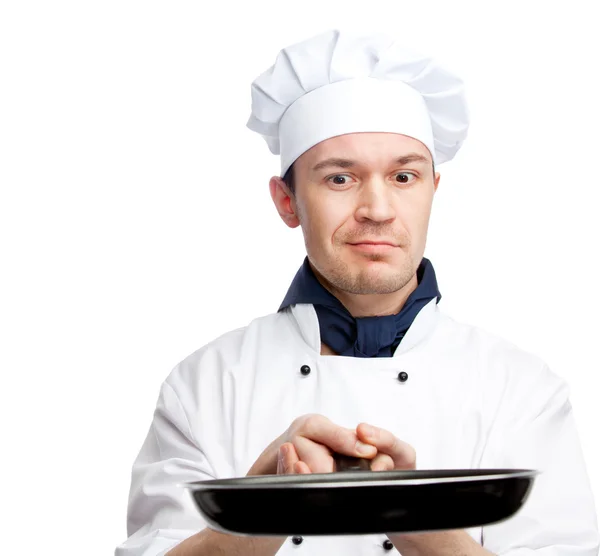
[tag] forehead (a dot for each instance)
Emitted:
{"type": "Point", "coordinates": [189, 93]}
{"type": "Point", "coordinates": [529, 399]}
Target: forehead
{"type": "Point", "coordinates": [366, 148]}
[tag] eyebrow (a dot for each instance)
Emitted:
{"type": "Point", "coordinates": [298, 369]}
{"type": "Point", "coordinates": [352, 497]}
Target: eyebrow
{"type": "Point", "coordinates": [346, 163]}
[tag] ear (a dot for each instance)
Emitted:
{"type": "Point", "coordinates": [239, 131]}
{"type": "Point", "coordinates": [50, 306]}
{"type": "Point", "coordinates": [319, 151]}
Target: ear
{"type": "Point", "coordinates": [436, 182]}
{"type": "Point", "coordinates": [284, 201]}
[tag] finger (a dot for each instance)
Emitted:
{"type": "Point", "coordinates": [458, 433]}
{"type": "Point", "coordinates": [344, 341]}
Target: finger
{"type": "Point", "coordinates": [301, 468]}
{"type": "Point", "coordinates": [402, 453]}
{"type": "Point", "coordinates": [280, 456]}
{"type": "Point", "coordinates": [289, 457]}
{"type": "Point", "coordinates": [382, 462]}
{"type": "Point", "coordinates": [318, 458]}
{"type": "Point", "coordinates": [320, 429]}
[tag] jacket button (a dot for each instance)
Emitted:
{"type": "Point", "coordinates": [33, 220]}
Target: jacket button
{"type": "Point", "coordinates": [402, 377]}
{"type": "Point", "coordinates": [388, 544]}
{"type": "Point", "coordinates": [305, 370]}
{"type": "Point", "coordinates": [297, 539]}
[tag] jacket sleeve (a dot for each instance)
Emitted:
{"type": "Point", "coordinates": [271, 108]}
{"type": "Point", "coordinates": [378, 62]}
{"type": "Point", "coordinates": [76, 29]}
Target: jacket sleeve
{"type": "Point", "coordinates": [535, 428]}
{"type": "Point", "coordinates": [161, 513]}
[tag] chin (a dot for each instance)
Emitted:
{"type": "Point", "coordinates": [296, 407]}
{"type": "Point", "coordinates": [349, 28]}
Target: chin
{"type": "Point", "coordinates": [371, 277]}
{"type": "Point", "coordinates": [394, 261]}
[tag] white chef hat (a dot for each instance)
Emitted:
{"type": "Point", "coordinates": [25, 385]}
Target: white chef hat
{"type": "Point", "coordinates": [341, 82]}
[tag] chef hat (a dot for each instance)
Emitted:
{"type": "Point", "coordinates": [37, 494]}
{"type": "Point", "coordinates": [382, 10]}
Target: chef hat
{"type": "Point", "coordinates": [339, 82]}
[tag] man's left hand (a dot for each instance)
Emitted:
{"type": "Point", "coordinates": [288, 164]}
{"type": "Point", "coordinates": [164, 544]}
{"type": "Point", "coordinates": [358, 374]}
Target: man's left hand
{"type": "Point", "coordinates": [393, 453]}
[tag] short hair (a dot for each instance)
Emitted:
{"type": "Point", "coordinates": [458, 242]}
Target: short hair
{"type": "Point", "coordinates": [288, 177]}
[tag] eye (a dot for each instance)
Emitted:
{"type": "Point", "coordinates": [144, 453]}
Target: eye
{"type": "Point", "coordinates": [403, 175]}
{"type": "Point", "coordinates": [335, 180]}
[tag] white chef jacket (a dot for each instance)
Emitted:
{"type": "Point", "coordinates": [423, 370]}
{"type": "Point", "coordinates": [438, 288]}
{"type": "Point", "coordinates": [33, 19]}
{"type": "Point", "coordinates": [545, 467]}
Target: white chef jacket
{"type": "Point", "coordinates": [471, 400]}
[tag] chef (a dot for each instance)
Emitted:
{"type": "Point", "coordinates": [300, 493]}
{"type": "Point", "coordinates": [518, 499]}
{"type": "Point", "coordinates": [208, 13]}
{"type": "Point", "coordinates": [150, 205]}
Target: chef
{"type": "Point", "coordinates": [359, 359]}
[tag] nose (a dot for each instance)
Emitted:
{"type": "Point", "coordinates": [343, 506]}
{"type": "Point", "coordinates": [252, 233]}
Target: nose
{"type": "Point", "coordinates": [375, 201]}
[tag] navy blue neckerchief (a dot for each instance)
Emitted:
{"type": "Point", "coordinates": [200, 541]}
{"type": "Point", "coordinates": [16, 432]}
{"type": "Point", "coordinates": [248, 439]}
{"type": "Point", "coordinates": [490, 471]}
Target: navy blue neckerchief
{"type": "Point", "coordinates": [363, 336]}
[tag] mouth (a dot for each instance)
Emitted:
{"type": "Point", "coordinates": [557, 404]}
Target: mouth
{"type": "Point", "coordinates": [375, 243]}
{"type": "Point", "coordinates": [373, 246]}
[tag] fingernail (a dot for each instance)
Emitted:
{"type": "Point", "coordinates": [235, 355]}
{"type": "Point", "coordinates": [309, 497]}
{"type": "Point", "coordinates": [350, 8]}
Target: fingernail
{"type": "Point", "coordinates": [284, 450]}
{"type": "Point", "coordinates": [364, 449]}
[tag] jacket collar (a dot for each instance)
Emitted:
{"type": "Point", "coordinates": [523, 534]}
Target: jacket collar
{"type": "Point", "coordinates": [305, 319]}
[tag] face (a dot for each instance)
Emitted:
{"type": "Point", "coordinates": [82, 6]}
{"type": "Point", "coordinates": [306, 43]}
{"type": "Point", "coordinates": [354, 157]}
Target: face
{"type": "Point", "coordinates": [364, 212]}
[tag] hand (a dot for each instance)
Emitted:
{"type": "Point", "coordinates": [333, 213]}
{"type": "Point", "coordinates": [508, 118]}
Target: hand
{"type": "Point", "coordinates": [392, 453]}
{"type": "Point", "coordinates": [308, 447]}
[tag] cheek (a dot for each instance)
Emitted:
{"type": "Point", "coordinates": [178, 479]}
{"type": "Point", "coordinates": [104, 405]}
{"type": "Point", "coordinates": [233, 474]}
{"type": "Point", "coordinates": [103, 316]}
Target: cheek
{"type": "Point", "coordinates": [414, 218]}
{"type": "Point", "coordinates": [415, 211]}
{"type": "Point", "coordinates": [323, 220]}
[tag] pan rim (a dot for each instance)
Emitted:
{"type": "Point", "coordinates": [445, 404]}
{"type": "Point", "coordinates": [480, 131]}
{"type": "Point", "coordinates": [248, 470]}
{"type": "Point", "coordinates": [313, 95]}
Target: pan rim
{"type": "Point", "coordinates": [323, 480]}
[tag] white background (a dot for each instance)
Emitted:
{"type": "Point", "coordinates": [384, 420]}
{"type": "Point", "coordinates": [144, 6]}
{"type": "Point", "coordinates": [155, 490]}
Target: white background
{"type": "Point", "coordinates": [136, 223]}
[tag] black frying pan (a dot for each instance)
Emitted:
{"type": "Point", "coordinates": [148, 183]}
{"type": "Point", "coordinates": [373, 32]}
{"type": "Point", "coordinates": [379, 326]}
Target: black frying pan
{"type": "Point", "coordinates": [355, 500]}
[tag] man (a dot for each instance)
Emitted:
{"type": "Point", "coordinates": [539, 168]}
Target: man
{"type": "Point", "coordinates": [359, 360]}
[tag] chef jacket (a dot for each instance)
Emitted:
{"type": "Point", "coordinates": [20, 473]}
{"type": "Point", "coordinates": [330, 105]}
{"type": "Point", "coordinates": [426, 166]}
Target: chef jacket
{"type": "Point", "coordinates": [461, 396]}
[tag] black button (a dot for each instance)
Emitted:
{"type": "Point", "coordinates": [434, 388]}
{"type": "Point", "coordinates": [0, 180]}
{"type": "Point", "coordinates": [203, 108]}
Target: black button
{"type": "Point", "coordinates": [305, 370]}
{"type": "Point", "coordinates": [297, 539]}
{"type": "Point", "coordinates": [388, 544]}
{"type": "Point", "coordinates": [403, 377]}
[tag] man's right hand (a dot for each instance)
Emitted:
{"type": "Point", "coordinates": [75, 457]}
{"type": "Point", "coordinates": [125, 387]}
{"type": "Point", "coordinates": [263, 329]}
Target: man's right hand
{"type": "Point", "coordinates": [308, 445]}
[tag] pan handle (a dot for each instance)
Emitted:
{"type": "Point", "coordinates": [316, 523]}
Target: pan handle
{"type": "Point", "coordinates": [350, 463]}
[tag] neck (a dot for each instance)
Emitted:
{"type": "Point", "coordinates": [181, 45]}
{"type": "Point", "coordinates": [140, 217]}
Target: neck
{"type": "Point", "coordinates": [326, 350]}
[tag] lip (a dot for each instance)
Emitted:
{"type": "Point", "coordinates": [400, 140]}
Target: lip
{"type": "Point", "coordinates": [375, 243]}
{"type": "Point", "coordinates": [373, 247]}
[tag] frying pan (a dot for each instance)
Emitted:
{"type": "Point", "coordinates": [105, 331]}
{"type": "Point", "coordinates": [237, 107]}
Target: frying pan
{"type": "Point", "coordinates": [354, 500]}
